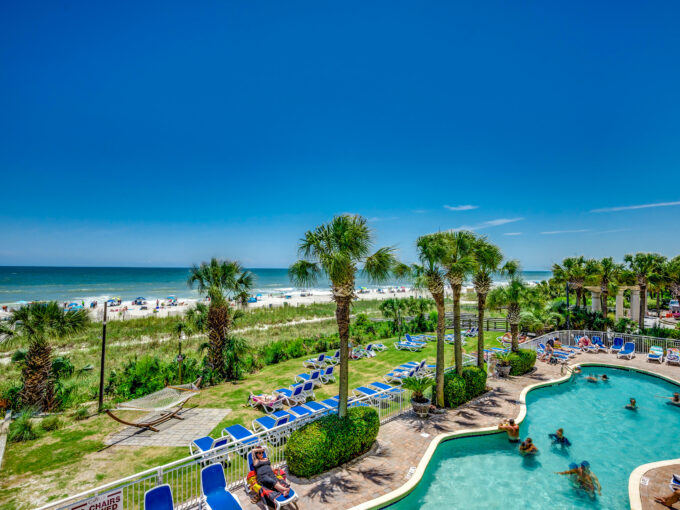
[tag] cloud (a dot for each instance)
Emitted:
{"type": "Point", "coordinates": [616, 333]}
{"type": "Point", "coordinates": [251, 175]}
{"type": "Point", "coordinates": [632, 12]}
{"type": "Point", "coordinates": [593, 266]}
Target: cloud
{"type": "Point", "coordinates": [552, 232]}
{"type": "Point", "coordinates": [512, 233]}
{"type": "Point", "coordinates": [631, 207]}
{"type": "Point", "coordinates": [460, 207]}
{"type": "Point", "coordinates": [376, 219]}
{"type": "Point", "coordinates": [420, 211]}
{"type": "Point", "coordinates": [487, 224]}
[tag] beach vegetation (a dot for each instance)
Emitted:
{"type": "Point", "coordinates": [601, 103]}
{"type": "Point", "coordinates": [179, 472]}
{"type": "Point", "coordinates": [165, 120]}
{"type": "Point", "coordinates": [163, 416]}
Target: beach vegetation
{"type": "Point", "coordinates": [488, 258]}
{"type": "Point", "coordinates": [512, 297]}
{"type": "Point", "coordinates": [51, 423]}
{"type": "Point", "coordinates": [23, 428]}
{"type": "Point", "coordinates": [643, 268]}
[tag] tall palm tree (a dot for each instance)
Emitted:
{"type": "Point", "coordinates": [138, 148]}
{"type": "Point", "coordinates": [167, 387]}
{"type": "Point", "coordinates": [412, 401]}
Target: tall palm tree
{"type": "Point", "coordinates": [430, 274]}
{"type": "Point", "coordinates": [644, 266]}
{"type": "Point", "coordinates": [673, 274]}
{"type": "Point", "coordinates": [607, 273]}
{"type": "Point", "coordinates": [512, 297]}
{"type": "Point", "coordinates": [393, 308]}
{"type": "Point", "coordinates": [459, 263]}
{"type": "Point", "coordinates": [38, 323]}
{"type": "Point", "coordinates": [488, 258]}
{"type": "Point", "coordinates": [573, 273]}
{"type": "Point", "coordinates": [335, 250]}
{"type": "Point", "coordinates": [220, 280]}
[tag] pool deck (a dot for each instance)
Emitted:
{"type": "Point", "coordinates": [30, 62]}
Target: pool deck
{"type": "Point", "coordinates": [403, 442]}
{"type": "Point", "coordinates": [654, 482]}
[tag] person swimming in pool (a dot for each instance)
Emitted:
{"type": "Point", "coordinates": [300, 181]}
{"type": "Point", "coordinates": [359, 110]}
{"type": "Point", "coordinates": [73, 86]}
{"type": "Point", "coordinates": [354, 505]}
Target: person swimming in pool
{"type": "Point", "coordinates": [528, 447]}
{"type": "Point", "coordinates": [592, 378]}
{"type": "Point", "coordinates": [511, 428]}
{"type": "Point", "coordinates": [559, 438]}
{"type": "Point", "coordinates": [585, 479]}
{"type": "Point", "coordinates": [632, 405]}
{"type": "Point", "coordinates": [604, 378]}
{"type": "Point", "coordinates": [675, 399]}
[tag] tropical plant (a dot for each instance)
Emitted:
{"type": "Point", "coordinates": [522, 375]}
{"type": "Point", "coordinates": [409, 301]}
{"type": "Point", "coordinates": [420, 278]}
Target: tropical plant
{"type": "Point", "coordinates": [644, 266]}
{"type": "Point", "coordinates": [336, 250]}
{"type": "Point", "coordinates": [430, 274]}
{"type": "Point", "coordinates": [607, 273]}
{"type": "Point", "coordinates": [673, 275]}
{"type": "Point", "coordinates": [488, 258]}
{"type": "Point", "coordinates": [393, 308]}
{"type": "Point", "coordinates": [418, 385]}
{"type": "Point", "coordinates": [572, 272]}
{"type": "Point", "coordinates": [23, 428]}
{"type": "Point", "coordinates": [37, 324]}
{"type": "Point", "coordinates": [220, 280]}
{"type": "Point", "coordinates": [512, 297]}
{"type": "Point", "coordinates": [419, 307]}
{"type": "Point", "coordinates": [458, 263]}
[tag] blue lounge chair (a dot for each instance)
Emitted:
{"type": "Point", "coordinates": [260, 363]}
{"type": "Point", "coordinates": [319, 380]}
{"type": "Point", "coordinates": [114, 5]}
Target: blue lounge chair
{"type": "Point", "coordinates": [241, 435]}
{"type": "Point", "coordinates": [294, 395]}
{"type": "Point", "coordinates": [331, 403]}
{"type": "Point", "coordinates": [280, 500]}
{"type": "Point", "coordinates": [617, 345]}
{"type": "Point", "coordinates": [327, 375]}
{"type": "Point", "coordinates": [317, 408]}
{"type": "Point", "coordinates": [408, 346]}
{"type": "Point", "coordinates": [314, 377]}
{"type": "Point", "coordinates": [214, 489]}
{"type": "Point", "coordinates": [158, 498]}
{"type": "Point", "coordinates": [391, 390]}
{"type": "Point", "coordinates": [628, 351]}
{"type": "Point", "coordinates": [599, 343]}
{"type": "Point", "coordinates": [398, 377]}
{"type": "Point", "coordinates": [318, 362]}
{"type": "Point", "coordinates": [335, 359]}
{"type": "Point", "coordinates": [413, 340]}
{"type": "Point", "coordinates": [207, 443]}
{"type": "Point", "coordinates": [379, 347]}
{"type": "Point", "coordinates": [301, 413]}
{"type": "Point", "coordinates": [267, 423]}
{"type": "Point", "coordinates": [655, 354]}
{"type": "Point", "coordinates": [375, 396]}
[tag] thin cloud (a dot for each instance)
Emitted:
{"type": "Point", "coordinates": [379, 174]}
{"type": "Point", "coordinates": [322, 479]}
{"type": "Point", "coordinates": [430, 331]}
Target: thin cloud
{"type": "Point", "coordinates": [420, 211]}
{"type": "Point", "coordinates": [553, 232]}
{"type": "Point", "coordinates": [631, 207]}
{"type": "Point", "coordinates": [376, 218]}
{"type": "Point", "coordinates": [460, 207]}
{"type": "Point", "coordinates": [491, 223]}
{"type": "Point", "coordinates": [614, 230]}
{"type": "Point", "coordinates": [512, 233]}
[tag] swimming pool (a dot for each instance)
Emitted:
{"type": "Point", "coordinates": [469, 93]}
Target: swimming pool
{"type": "Point", "coordinates": [487, 472]}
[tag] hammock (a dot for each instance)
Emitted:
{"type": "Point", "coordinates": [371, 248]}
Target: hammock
{"type": "Point", "coordinates": [169, 401]}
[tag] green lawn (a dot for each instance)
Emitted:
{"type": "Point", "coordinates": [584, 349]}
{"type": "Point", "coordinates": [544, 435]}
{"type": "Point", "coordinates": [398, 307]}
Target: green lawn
{"type": "Point", "coordinates": [74, 458]}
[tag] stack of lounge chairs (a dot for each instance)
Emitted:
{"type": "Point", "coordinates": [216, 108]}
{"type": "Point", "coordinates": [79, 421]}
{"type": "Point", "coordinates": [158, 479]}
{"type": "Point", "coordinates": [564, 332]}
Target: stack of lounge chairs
{"type": "Point", "coordinates": [410, 369]}
{"type": "Point", "coordinates": [413, 344]}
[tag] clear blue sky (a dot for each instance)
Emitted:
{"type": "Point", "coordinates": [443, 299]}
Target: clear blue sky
{"type": "Point", "coordinates": [163, 133]}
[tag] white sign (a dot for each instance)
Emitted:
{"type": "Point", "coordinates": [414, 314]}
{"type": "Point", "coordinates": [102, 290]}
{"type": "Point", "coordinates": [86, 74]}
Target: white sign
{"type": "Point", "coordinates": [110, 501]}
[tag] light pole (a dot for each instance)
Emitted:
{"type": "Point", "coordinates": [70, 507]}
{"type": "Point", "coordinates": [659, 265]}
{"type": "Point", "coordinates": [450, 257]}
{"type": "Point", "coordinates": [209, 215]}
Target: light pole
{"type": "Point", "coordinates": [568, 311]}
{"type": "Point", "coordinates": [101, 372]}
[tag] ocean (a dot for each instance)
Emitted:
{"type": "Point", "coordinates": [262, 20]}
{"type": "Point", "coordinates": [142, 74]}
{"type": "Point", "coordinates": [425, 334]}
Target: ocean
{"type": "Point", "coordinates": [20, 283]}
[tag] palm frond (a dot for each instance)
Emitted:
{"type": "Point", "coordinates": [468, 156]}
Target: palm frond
{"type": "Point", "coordinates": [379, 266]}
{"type": "Point", "coordinates": [304, 273]}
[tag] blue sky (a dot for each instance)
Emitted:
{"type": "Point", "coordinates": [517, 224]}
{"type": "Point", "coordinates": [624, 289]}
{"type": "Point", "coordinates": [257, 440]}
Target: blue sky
{"type": "Point", "coordinates": [163, 133]}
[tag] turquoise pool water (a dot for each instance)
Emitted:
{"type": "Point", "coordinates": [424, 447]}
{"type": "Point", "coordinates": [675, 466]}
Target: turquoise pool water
{"type": "Point", "coordinates": [486, 472]}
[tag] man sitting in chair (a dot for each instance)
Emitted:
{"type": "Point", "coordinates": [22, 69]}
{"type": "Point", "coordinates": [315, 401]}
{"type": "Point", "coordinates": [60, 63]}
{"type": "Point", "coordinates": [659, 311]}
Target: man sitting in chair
{"type": "Point", "coordinates": [265, 474]}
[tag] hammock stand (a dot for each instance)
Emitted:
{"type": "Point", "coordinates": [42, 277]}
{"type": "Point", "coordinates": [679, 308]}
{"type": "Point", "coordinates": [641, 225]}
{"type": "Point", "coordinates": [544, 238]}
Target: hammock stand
{"type": "Point", "coordinates": [169, 401]}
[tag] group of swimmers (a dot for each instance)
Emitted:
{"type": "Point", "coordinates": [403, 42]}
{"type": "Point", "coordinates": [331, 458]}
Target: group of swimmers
{"type": "Point", "coordinates": [632, 403]}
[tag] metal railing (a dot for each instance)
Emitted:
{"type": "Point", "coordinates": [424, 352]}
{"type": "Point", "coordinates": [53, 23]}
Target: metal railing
{"type": "Point", "coordinates": [183, 475]}
{"type": "Point", "coordinates": [567, 337]}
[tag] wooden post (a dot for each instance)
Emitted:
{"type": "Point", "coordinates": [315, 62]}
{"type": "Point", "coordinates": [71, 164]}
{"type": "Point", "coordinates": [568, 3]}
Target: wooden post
{"type": "Point", "coordinates": [101, 372]}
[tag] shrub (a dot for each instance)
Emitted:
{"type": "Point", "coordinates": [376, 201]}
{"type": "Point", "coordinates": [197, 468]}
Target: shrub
{"type": "Point", "coordinates": [10, 396]}
{"type": "Point", "coordinates": [454, 390]}
{"type": "Point", "coordinates": [51, 423]}
{"type": "Point", "coordinates": [331, 441]}
{"type": "Point", "coordinates": [19, 355]}
{"type": "Point", "coordinates": [81, 413]}
{"type": "Point", "coordinates": [522, 361]}
{"type": "Point", "coordinates": [23, 429]}
{"type": "Point", "coordinates": [475, 381]}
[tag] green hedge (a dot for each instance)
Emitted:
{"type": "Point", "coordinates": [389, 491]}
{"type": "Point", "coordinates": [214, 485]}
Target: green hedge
{"type": "Point", "coordinates": [522, 361]}
{"type": "Point", "coordinates": [331, 441]}
{"type": "Point", "coordinates": [459, 389]}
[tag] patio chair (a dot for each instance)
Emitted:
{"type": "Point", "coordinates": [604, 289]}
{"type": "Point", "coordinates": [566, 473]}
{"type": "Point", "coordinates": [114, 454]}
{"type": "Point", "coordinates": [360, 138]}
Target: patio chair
{"type": "Point", "coordinates": [414, 340]}
{"type": "Point", "coordinates": [207, 443]}
{"type": "Point", "coordinates": [335, 359]}
{"type": "Point", "coordinates": [391, 390]}
{"type": "Point", "coordinates": [408, 346]}
{"type": "Point", "coordinates": [617, 345]}
{"type": "Point", "coordinates": [214, 489]}
{"type": "Point", "coordinates": [242, 436]}
{"type": "Point", "coordinates": [398, 377]}
{"type": "Point", "coordinates": [314, 377]}
{"type": "Point", "coordinates": [327, 375]}
{"type": "Point", "coordinates": [627, 352]}
{"type": "Point", "coordinates": [318, 362]}
{"type": "Point", "coordinates": [655, 354]}
{"type": "Point", "coordinates": [270, 425]}
{"type": "Point", "coordinates": [294, 395]}
{"type": "Point", "coordinates": [273, 497]}
{"type": "Point", "coordinates": [597, 341]}
{"type": "Point", "coordinates": [379, 347]}
{"type": "Point", "coordinates": [374, 396]}
{"type": "Point", "coordinates": [317, 408]}
{"type": "Point", "coordinates": [158, 498]}
{"type": "Point", "coordinates": [301, 413]}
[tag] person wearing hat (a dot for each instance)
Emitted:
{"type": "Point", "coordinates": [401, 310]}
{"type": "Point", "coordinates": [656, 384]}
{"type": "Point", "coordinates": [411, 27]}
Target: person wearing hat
{"type": "Point", "coordinates": [585, 478]}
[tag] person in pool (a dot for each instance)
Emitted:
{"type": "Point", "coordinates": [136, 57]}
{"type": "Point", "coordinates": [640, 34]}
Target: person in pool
{"type": "Point", "coordinates": [584, 478]}
{"type": "Point", "coordinates": [528, 447]}
{"type": "Point", "coordinates": [675, 399]}
{"type": "Point", "coordinates": [592, 378]}
{"type": "Point", "coordinates": [559, 438]}
{"type": "Point", "coordinates": [604, 378]}
{"type": "Point", "coordinates": [632, 405]}
{"type": "Point", "coordinates": [265, 474]}
{"type": "Point", "coordinates": [511, 428]}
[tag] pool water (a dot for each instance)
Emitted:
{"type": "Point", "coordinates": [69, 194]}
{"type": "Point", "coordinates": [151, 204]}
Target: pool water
{"type": "Point", "coordinates": [487, 472]}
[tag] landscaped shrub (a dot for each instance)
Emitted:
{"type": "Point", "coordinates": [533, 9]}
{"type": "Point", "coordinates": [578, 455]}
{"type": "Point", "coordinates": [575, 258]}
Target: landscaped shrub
{"type": "Point", "coordinates": [454, 390]}
{"type": "Point", "coordinates": [475, 382]}
{"type": "Point", "coordinates": [23, 428]}
{"type": "Point", "coordinates": [331, 441]}
{"type": "Point", "coordinates": [51, 423]}
{"type": "Point", "coordinates": [522, 361]}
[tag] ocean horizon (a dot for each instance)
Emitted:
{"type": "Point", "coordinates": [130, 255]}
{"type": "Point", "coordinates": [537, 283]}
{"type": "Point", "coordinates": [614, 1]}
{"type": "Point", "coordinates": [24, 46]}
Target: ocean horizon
{"type": "Point", "coordinates": [62, 283]}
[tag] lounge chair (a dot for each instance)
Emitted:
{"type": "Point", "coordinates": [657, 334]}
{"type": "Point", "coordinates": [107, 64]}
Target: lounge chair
{"type": "Point", "coordinates": [331, 403]}
{"type": "Point", "coordinates": [655, 354]}
{"type": "Point", "coordinates": [301, 412]}
{"type": "Point", "coordinates": [207, 443]}
{"type": "Point", "coordinates": [398, 377]}
{"type": "Point", "coordinates": [471, 332]}
{"type": "Point", "coordinates": [391, 390]}
{"type": "Point", "coordinates": [379, 347]}
{"type": "Point", "coordinates": [273, 497]}
{"type": "Point", "coordinates": [293, 395]}
{"type": "Point", "coordinates": [672, 356]}
{"type": "Point", "coordinates": [318, 362]}
{"type": "Point", "coordinates": [617, 345]}
{"type": "Point", "coordinates": [627, 352]}
{"type": "Point", "coordinates": [371, 350]}
{"type": "Point", "coordinates": [335, 359]}
{"type": "Point", "coordinates": [268, 403]}
{"type": "Point", "coordinates": [408, 346]}
{"type": "Point", "coordinates": [214, 489]}
{"type": "Point", "coordinates": [317, 408]}
{"type": "Point", "coordinates": [242, 436]}
{"type": "Point", "coordinates": [314, 377]}
{"type": "Point", "coordinates": [270, 425]}
{"type": "Point", "coordinates": [375, 396]}
{"type": "Point", "coordinates": [414, 340]}
{"type": "Point", "coordinates": [158, 498]}
{"type": "Point", "coordinates": [675, 482]}
{"type": "Point", "coordinates": [599, 344]}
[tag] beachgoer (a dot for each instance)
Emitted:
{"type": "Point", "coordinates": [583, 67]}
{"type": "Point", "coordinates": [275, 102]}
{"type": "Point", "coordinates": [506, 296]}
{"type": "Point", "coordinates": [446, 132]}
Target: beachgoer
{"type": "Point", "coordinates": [604, 378]}
{"type": "Point", "coordinates": [592, 378]}
{"type": "Point", "coordinates": [265, 474]}
{"type": "Point", "coordinates": [511, 428]}
{"type": "Point", "coordinates": [675, 399]}
{"type": "Point", "coordinates": [559, 438]}
{"type": "Point", "coordinates": [584, 342]}
{"type": "Point", "coordinates": [585, 478]}
{"type": "Point", "coordinates": [548, 351]}
{"type": "Point", "coordinates": [632, 405]}
{"type": "Point", "coordinates": [577, 369]}
{"type": "Point", "coordinates": [669, 500]}
{"type": "Point", "coordinates": [528, 447]}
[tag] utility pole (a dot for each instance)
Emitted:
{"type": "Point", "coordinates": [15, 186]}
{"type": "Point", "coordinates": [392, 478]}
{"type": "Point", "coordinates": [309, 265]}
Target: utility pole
{"type": "Point", "coordinates": [568, 311]}
{"type": "Point", "coordinates": [101, 373]}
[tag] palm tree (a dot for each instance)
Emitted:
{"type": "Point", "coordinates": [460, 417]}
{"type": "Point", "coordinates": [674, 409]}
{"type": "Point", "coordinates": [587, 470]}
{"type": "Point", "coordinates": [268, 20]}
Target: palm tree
{"type": "Point", "coordinates": [430, 274]}
{"type": "Point", "coordinates": [459, 263]}
{"type": "Point", "coordinates": [608, 273]}
{"type": "Point", "coordinates": [335, 250]}
{"type": "Point", "coordinates": [393, 308]}
{"type": "Point", "coordinates": [644, 266]}
{"type": "Point", "coordinates": [220, 280]}
{"type": "Point", "coordinates": [673, 274]}
{"type": "Point", "coordinates": [38, 323]}
{"type": "Point", "coordinates": [512, 296]}
{"type": "Point", "coordinates": [573, 273]}
{"type": "Point", "coordinates": [488, 258]}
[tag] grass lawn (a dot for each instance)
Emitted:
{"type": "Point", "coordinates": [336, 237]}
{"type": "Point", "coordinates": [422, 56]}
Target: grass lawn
{"type": "Point", "coordinates": [75, 458]}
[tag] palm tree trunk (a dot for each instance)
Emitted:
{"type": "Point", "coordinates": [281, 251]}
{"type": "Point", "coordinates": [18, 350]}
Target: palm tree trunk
{"type": "Point", "coordinates": [38, 389]}
{"type": "Point", "coordinates": [514, 330]}
{"type": "Point", "coordinates": [481, 305]}
{"type": "Point", "coordinates": [603, 302]}
{"type": "Point", "coordinates": [458, 344]}
{"type": "Point", "coordinates": [441, 324]}
{"type": "Point", "coordinates": [643, 306]}
{"type": "Point", "coordinates": [342, 312]}
{"type": "Point", "coordinates": [578, 298]}
{"type": "Point", "coordinates": [218, 317]}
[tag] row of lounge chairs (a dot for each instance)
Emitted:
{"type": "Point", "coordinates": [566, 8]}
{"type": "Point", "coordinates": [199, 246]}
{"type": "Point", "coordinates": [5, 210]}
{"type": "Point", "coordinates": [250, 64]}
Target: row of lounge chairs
{"type": "Point", "coordinates": [619, 347]}
{"type": "Point", "coordinates": [410, 369]}
{"type": "Point", "coordinates": [324, 360]}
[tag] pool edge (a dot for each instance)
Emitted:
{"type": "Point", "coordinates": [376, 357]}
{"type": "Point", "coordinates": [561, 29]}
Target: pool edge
{"type": "Point", "coordinates": [411, 483]}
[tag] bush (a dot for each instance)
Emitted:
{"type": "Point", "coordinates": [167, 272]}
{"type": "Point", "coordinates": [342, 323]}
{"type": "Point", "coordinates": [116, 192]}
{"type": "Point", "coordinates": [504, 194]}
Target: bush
{"type": "Point", "coordinates": [81, 413]}
{"type": "Point", "coordinates": [475, 381]}
{"type": "Point", "coordinates": [522, 361]}
{"type": "Point", "coordinates": [23, 429]}
{"type": "Point", "coordinates": [51, 423]}
{"type": "Point", "coordinates": [454, 390]}
{"type": "Point", "coordinates": [331, 441]}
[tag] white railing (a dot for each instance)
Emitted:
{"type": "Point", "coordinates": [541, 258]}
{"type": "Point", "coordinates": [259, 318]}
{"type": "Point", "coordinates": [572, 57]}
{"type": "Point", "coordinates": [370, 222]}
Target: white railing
{"type": "Point", "coordinates": [183, 475]}
{"type": "Point", "coordinates": [567, 337]}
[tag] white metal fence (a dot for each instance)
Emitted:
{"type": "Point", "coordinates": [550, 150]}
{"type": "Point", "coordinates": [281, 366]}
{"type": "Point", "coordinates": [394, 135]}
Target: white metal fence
{"type": "Point", "coordinates": [567, 337]}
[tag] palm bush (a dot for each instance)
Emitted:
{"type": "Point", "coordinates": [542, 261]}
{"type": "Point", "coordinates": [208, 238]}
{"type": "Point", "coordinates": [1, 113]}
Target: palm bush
{"type": "Point", "coordinates": [418, 385]}
{"type": "Point", "coordinates": [23, 428]}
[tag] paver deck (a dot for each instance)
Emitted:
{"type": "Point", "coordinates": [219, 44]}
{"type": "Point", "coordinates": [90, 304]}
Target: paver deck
{"type": "Point", "coordinates": [654, 483]}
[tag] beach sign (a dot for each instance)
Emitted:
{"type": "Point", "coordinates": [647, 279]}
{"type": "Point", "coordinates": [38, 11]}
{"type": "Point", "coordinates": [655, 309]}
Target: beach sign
{"type": "Point", "coordinates": [110, 501]}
